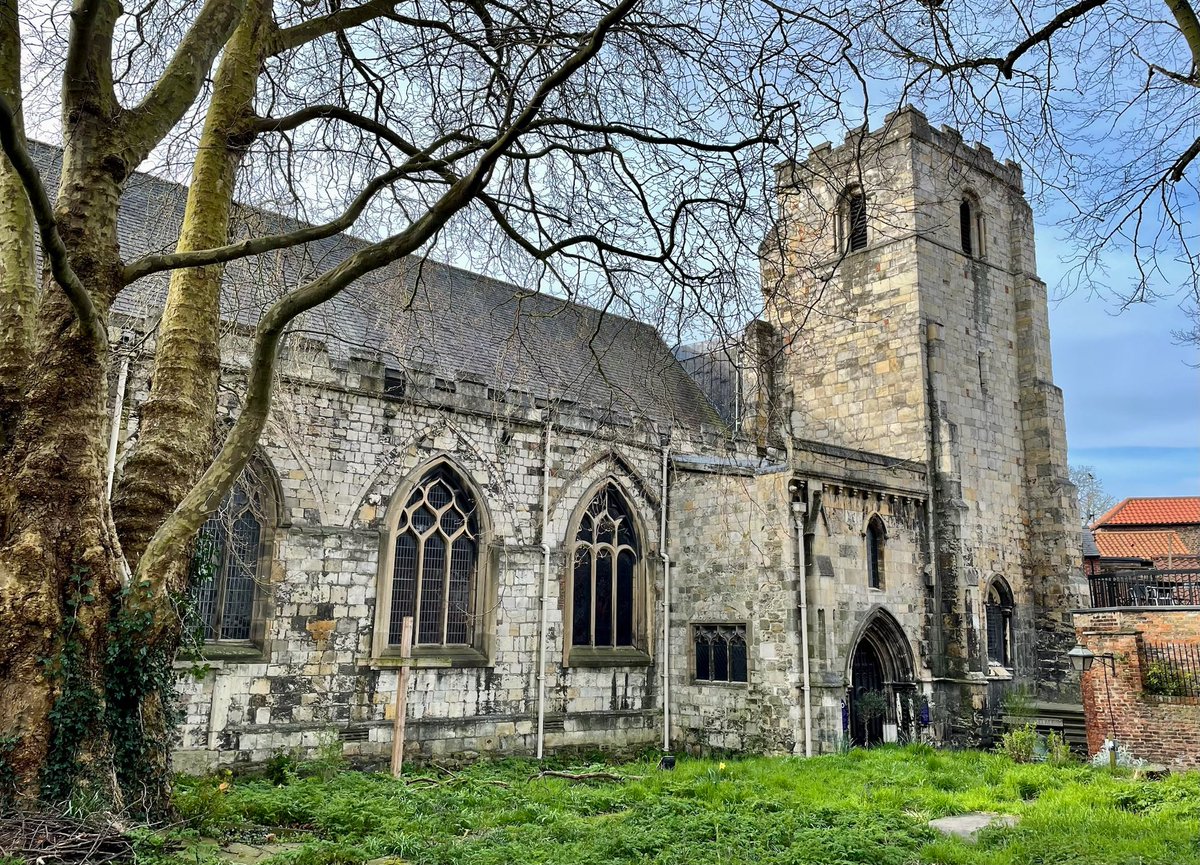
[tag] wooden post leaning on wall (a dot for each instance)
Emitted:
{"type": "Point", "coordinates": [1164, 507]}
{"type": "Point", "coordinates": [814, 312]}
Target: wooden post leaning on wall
{"type": "Point", "coordinates": [406, 634]}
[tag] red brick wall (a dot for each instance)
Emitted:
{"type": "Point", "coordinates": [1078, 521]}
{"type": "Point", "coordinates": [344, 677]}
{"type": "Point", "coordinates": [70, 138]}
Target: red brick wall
{"type": "Point", "coordinates": [1159, 729]}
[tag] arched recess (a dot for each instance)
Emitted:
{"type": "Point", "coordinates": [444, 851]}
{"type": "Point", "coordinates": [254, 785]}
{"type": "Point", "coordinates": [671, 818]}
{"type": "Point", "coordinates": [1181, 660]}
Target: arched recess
{"type": "Point", "coordinates": [438, 564]}
{"type": "Point", "coordinates": [608, 464]}
{"type": "Point", "coordinates": [882, 682]}
{"type": "Point", "coordinates": [606, 579]}
{"type": "Point", "coordinates": [232, 560]}
{"type": "Point", "coordinates": [998, 607]}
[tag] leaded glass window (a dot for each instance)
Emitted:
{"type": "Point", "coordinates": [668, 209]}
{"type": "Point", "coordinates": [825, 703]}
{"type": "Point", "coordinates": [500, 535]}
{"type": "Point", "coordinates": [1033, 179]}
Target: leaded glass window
{"type": "Point", "coordinates": [998, 611]}
{"type": "Point", "coordinates": [720, 653]}
{"type": "Point", "coordinates": [604, 574]}
{"type": "Point", "coordinates": [227, 561]}
{"type": "Point", "coordinates": [875, 542]}
{"type": "Point", "coordinates": [436, 562]}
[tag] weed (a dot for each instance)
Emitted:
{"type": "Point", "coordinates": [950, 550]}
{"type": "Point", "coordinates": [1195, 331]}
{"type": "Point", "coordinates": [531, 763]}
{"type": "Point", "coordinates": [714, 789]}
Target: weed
{"type": "Point", "coordinates": [1020, 745]}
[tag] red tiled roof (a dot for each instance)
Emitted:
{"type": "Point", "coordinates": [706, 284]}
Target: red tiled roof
{"type": "Point", "coordinates": [1172, 511]}
{"type": "Point", "coordinates": [1140, 545]}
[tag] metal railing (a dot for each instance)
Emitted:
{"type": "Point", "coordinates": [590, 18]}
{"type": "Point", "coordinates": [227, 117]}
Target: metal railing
{"type": "Point", "coordinates": [1150, 588]}
{"type": "Point", "coordinates": [1170, 669]}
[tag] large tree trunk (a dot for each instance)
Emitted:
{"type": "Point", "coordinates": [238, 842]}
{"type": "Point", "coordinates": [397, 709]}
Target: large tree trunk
{"type": "Point", "coordinates": [176, 422]}
{"type": "Point", "coordinates": [175, 434]}
{"type": "Point", "coordinates": [58, 557]}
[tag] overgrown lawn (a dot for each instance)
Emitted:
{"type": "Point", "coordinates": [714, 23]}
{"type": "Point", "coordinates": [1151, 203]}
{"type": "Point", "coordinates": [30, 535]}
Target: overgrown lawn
{"type": "Point", "coordinates": [861, 807]}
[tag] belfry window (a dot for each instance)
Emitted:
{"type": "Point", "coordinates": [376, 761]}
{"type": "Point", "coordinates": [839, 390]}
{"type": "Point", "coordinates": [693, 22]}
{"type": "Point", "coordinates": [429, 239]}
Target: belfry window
{"type": "Point", "coordinates": [435, 563]}
{"type": "Point", "coordinates": [966, 218]}
{"type": "Point", "coordinates": [230, 560]}
{"type": "Point", "coordinates": [998, 611]}
{"type": "Point", "coordinates": [970, 226]}
{"type": "Point", "coordinates": [876, 539]}
{"type": "Point", "coordinates": [605, 574]}
{"type": "Point", "coordinates": [852, 220]}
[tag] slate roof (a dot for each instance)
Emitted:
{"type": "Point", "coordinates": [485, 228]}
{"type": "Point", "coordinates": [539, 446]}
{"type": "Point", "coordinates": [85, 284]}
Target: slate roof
{"type": "Point", "coordinates": [1166, 511]}
{"type": "Point", "coordinates": [1090, 550]}
{"type": "Point", "coordinates": [1140, 545]}
{"type": "Point", "coordinates": [424, 315]}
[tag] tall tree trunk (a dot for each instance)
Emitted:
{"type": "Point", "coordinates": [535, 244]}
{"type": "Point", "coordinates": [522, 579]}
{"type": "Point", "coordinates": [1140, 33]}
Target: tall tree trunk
{"type": "Point", "coordinates": [59, 557]}
{"type": "Point", "coordinates": [176, 422]}
{"type": "Point", "coordinates": [175, 434]}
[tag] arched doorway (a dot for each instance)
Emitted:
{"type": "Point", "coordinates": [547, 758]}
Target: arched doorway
{"type": "Point", "coordinates": [880, 699]}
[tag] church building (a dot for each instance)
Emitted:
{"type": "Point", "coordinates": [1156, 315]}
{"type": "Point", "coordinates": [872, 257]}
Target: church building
{"type": "Point", "coordinates": [852, 525]}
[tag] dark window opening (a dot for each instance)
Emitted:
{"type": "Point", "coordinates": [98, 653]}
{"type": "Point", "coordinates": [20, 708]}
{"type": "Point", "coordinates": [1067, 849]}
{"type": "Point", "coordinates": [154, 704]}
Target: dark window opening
{"type": "Point", "coordinates": [966, 218]}
{"type": "Point", "coordinates": [435, 564]}
{"type": "Point", "coordinates": [393, 384]}
{"type": "Point", "coordinates": [720, 653]}
{"type": "Point", "coordinates": [875, 542]}
{"type": "Point", "coordinates": [856, 213]}
{"type": "Point", "coordinates": [226, 563]}
{"type": "Point", "coordinates": [604, 586]}
{"type": "Point", "coordinates": [998, 611]}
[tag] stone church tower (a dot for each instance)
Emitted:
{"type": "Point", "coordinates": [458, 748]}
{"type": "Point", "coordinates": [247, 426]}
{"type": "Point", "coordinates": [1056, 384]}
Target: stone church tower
{"type": "Point", "coordinates": [911, 323]}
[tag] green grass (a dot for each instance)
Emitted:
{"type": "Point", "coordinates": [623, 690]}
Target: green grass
{"type": "Point", "coordinates": [860, 807]}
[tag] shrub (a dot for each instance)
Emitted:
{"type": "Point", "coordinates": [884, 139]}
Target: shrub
{"type": "Point", "coordinates": [1167, 680]}
{"type": "Point", "coordinates": [1020, 745]}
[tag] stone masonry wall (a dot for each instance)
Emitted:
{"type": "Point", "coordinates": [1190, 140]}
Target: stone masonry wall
{"type": "Point", "coordinates": [731, 553]}
{"type": "Point", "coordinates": [916, 348]}
{"type": "Point", "coordinates": [1162, 730]}
{"type": "Point", "coordinates": [340, 453]}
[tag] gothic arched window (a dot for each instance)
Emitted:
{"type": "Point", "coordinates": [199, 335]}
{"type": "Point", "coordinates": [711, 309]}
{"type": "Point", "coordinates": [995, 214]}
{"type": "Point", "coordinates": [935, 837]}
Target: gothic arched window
{"type": "Point", "coordinates": [998, 611]}
{"type": "Point", "coordinates": [605, 574]}
{"type": "Point", "coordinates": [970, 226]}
{"type": "Point", "coordinates": [852, 220]}
{"type": "Point", "coordinates": [231, 559]}
{"type": "Point", "coordinates": [875, 543]}
{"type": "Point", "coordinates": [435, 563]}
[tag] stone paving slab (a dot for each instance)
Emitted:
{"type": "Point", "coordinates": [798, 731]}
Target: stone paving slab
{"type": "Point", "coordinates": [968, 826]}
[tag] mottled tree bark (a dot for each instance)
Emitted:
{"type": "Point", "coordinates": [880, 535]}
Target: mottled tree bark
{"type": "Point", "coordinates": [18, 284]}
{"type": "Point", "coordinates": [60, 561]}
{"type": "Point", "coordinates": [176, 422]}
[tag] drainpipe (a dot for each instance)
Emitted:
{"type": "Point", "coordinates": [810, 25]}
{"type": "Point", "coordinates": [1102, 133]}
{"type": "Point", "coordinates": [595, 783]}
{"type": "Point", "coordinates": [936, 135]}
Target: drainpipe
{"type": "Point", "coordinates": [545, 595]}
{"type": "Point", "coordinates": [666, 634]}
{"type": "Point", "coordinates": [798, 510]}
{"type": "Point", "coordinates": [114, 428]}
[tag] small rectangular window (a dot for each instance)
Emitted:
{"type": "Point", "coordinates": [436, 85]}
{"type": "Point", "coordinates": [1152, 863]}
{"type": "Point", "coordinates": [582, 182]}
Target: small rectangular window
{"type": "Point", "coordinates": [393, 384]}
{"type": "Point", "coordinates": [720, 653]}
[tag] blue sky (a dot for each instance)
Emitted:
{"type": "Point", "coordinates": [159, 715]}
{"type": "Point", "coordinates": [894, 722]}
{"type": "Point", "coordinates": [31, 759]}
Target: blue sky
{"type": "Point", "coordinates": [1132, 399]}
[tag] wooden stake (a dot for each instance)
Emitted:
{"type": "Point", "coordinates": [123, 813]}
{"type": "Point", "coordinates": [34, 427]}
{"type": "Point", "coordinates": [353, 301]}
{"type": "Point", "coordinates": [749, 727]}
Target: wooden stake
{"type": "Point", "coordinates": [406, 634]}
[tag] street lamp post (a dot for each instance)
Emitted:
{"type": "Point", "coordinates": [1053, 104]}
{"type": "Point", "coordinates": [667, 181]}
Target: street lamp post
{"type": "Point", "coordinates": [1081, 661]}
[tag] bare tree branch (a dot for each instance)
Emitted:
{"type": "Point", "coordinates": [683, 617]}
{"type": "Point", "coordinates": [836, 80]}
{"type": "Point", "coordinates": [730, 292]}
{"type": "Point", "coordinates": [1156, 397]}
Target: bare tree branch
{"type": "Point", "coordinates": [52, 243]}
{"type": "Point", "coordinates": [343, 19]}
{"type": "Point", "coordinates": [176, 89]}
